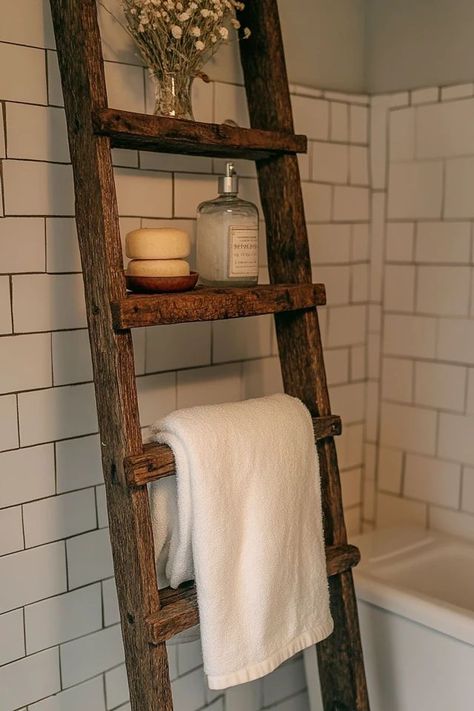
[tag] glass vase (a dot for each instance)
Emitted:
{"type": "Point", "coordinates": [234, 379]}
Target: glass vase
{"type": "Point", "coordinates": [173, 95]}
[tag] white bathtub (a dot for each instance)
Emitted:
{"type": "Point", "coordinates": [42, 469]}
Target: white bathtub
{"type": "Point", "coordinates": [415, 592]}
{"type": "Point", "coordinates": [416, 603]}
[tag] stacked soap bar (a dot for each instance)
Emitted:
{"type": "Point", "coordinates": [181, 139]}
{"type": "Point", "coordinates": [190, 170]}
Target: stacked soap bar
{"type": "Point", "coordinates": [157, 252]}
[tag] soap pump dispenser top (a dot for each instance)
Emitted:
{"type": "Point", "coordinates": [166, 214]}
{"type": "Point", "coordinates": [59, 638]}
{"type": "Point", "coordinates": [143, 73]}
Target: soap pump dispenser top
{"type": "Point", "coordinates": [227, 236]}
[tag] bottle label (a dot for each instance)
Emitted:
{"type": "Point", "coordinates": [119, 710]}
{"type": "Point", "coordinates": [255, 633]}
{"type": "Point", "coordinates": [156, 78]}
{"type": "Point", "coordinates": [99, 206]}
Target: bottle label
{"type": "Point", "coordinates": [243, 251]}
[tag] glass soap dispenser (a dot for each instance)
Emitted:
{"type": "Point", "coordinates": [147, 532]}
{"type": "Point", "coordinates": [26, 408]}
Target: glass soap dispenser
{"type": "Point", "coordinates": [227, 237]}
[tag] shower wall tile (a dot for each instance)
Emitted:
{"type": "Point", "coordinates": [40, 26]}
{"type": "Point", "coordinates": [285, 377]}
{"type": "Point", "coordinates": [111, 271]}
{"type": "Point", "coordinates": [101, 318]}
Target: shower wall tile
{"type": "Point", "coordinates": [443, 290]}
{"type": "Point", "coordinates": [351, 204]}
{"type": "Point", "coordinates": [406, 335]}
{"type": "Point", "coordinates": [330, 162]}
{"type": "Point", "coordinates": [459, 190]}
{"type": "Point", "coordinates": [27, 474]}
{"type": "Point", "coordinates": [397, 380]}
{"type": "Point", "coordinates": [97, 652]}
{"type": "Point", "coordinates": [456, 340]}
{"type": "Point", "coordinates": [445, 130]}
{"type": "Point", "coordinates": [89, 558]}
{"type": "Point", "coordinates": [329, 243]}
{"type": "Point", "coordinates": [28, 82]}
{"type": "Point", "coordinates": [457, 91]}
{"type": "Point", "coordinates": [89, 695]}
{"type": "Point", "coordinates": [415, 190]}
{"type": "Point", "coordinates": [432, 480]}
{"type": "Point", "coordinates": [35, 188]}
{"type": "Point", "coordinates": [36, 133]}
{"type": "Point", "coordinates": [426, 95]}
{"type": "Point", "coordinates": [30, 679]}
{"type": "Point", "coordinates": [11, 530]}
{"type": "Point", "coordinates": [8, 422]}
{"type": "Point", "coordinates": [45, 569]}
{"type": "Point", "coordinates": [62, 618]}
{"type": "Point", "coordinates": [467, 501]}
{"type": "Point", "coordinates": [359, 165]}
{"type": "Point", "coordinates": [443, 242]}
{"type": "Point", "coordinates": [398, 511]}
{"type": "Point", "coordinates": [359, 123]}
{"type": "Point", "coordinates": [48, 302]}
{"type": "Point", "coordinates": [452, 522]}
{"type": "Point", "coordinates": [18, 372]}
{"type": "Point", "coordinates": [400, 241]}
{"type": "Point", "coordinates": [178, 346]}
{"type": "Point", "coordinates": [116, 687]}
{"type": "Point", "coordinates": [12, 635]}
{"type": "Point", "coordinates": [311, 117]}
{"type": "Point", "coordinates": [59, 517]}
{"type": "Point", "coordinates": [390, 470]}
{"type": "Point", "coordinates": [410, 428]}
{"type": "Point", "coordinates": [399, 288]}
{"type": "Point", "coordinates": [66, 412]}
{"type": "Point", "coordinates": [22, 247]}
{"type": "Point", "coordinates": [339, 130]}
{"type": "Point", "coordinates": [440, 386]}
{"type": "Point", "coordinates": [402, 135]}
{"type": "Point", "coordinates": [424, 467]}
{"type": "Point", "coordinates": [25, 23]}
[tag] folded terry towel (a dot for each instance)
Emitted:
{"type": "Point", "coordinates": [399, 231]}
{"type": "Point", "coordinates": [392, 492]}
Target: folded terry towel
{"type": "Point", "coordinates": [243, 517]}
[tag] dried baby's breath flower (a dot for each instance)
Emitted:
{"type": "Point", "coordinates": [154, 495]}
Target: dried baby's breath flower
{"type": "Point", "coordinates": [180, 35]}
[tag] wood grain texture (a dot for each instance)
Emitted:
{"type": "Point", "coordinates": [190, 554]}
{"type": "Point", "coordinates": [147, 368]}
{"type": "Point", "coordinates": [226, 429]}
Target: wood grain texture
{"type": "Point", "coordinates": [159, 133]}
{"type": "Point", "coordinates": [180, 611]}
{"type": "Point", "coordinates": [81, 66]}
{"type": "Point", "coordinates": [341, 666]}
{"type": "Point", "coordinates": [157, 460]}
{"type": "Point", "coordinates": [211, 304]}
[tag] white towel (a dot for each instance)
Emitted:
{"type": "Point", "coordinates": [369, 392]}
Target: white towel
{"type": "Point", "coordinates": [243, 517]}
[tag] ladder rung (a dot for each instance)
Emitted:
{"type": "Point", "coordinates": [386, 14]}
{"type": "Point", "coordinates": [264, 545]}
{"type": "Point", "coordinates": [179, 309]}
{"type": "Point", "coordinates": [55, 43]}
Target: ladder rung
{"type": "Point", "coordinates": [179, 609]}
{"type": "Point", "coordinates": [157, 460]}
{"type": "Point", "coordinates": [211, 304]}
{"type": "Point", "coordinates": [167, 135]}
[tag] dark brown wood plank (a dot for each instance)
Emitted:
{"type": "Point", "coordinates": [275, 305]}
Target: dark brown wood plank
{"type": "Point", "coordinates": [341, 664]}
{"type": "Point", "coordinates": [80, 59]}
{"type": "Point", "coordinates": [211, 304]}
{"type": "Point", "coordinates": [167, 135]}
{"type": "Point", "coordinates": [180, 611]}
{"type": "Point", "coordinates": [157, 460]}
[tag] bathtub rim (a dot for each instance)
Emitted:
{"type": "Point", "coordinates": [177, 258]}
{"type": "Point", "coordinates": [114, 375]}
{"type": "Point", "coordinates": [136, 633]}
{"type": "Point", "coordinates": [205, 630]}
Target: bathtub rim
{"type": "Point", "coordinates": [377, 548]}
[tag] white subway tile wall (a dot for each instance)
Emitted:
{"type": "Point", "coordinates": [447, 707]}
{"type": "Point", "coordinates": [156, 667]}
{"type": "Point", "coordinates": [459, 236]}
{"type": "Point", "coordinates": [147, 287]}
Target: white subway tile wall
{"type": "Point", "coordinates": [60, 646]}
{"type": "Point", "coordinates": [425, 454]}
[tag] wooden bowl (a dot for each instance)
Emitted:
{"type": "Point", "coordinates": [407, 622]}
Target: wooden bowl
{"type": "Point", "coordinates": [161, 285]}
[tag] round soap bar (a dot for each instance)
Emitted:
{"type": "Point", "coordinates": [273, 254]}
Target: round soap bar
{"type": "Point", "coordinates": [158, 267]}
{"type": "Point", "coordinates": [157, 243]}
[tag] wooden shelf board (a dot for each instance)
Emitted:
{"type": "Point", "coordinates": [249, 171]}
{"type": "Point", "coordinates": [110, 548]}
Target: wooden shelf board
{"type": "Point", "coordinates": [147, 132]}
{"type": "Point", "coordinates": [211, 304]}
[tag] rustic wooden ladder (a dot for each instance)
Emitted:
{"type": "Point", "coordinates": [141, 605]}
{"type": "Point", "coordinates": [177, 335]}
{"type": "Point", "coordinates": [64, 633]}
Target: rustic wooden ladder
{"type": "Point", "coordinates": [149, 617]}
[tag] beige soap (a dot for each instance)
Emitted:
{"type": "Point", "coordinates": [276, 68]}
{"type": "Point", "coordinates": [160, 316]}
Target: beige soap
{"type": "Point", "coordinates": [157, 243]}
{"type": "Point", "coordinates": [158, 267]}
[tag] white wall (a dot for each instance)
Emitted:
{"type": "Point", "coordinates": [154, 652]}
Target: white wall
{"type": "Point", "coordinates": [59, 633]}
{"type": "Point", "coordinates": [325, 42]}
{"type": "Point", "coordinates": [420, 416]}
{"type": "Point", "coordinates": [416, 43]}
